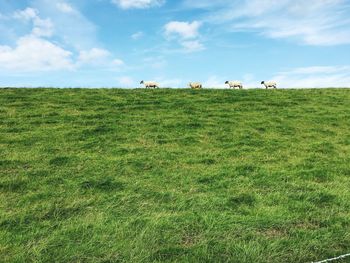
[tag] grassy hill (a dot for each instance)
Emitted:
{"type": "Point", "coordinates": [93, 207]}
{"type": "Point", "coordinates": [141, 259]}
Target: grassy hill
{"type": "Point", "coordinates": [95, 175]}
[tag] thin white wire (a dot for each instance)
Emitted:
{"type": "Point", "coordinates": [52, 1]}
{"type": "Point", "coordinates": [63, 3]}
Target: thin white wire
{"type": "Point", "coordinates": [333, 259]}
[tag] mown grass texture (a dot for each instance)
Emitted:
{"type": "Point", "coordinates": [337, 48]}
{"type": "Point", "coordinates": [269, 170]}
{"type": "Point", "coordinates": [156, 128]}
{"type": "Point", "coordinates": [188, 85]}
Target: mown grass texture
{"type": "Point", "coordinates": [113, 175]}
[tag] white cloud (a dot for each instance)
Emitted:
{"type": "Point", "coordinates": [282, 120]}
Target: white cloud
{"type": "Point", "coordinates": [192, 46]}
{"type": "Point", "coordinates": [156, 62]}
{"type": "Point", "coordinates": [319, 70]}
{"type": "Point", "coordinates": [32, 52]}
{"type": "Point", "coordinates": [117, 62]}
{"type": "Point", "coordinates": [41, 27]}
{"type": "Point", "coordinates": [204, 4]}
{"type": "Point", "coordinates": [313, 22]}
{"type": "Point", "coordinates": [128, 4]}
{"type": "Point", "coordinates": [185, 33]}
{"type": "Point", "coordinates": [170, 83]}
{"type": "Point", "coordinates": [73, 29]}
{"type": "Point", "coordinates": [93, 55]}
{"type": "Point", "coordinates": [215, 82]}
{"type": "Point", "coordinates": [26, 14]}
{"type": "Point", "coordinates": [35, 54]}
{"type": "Point", "coordinates": [249, 81]}
{"type": "Point", "coordinates": [126, 81]}
{"type": "Point", "coordinates": [98, 57]}
{"type": "Point", "coordinates": [137, 35]}
{"type": "Point", "coordinates": [184, 30]}
{"type": "Point", "coordinates": [314, 77]}
{"type": "Point", "coordinates": [65, 7]}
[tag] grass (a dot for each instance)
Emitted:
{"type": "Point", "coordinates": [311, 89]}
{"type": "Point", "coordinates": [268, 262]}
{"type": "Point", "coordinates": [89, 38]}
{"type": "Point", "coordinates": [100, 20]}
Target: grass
{"type": "Point", "coordinates": [99, 175]}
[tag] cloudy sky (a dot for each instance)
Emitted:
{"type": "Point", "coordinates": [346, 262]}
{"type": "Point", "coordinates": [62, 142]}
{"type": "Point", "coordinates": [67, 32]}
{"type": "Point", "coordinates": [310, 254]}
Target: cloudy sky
{"type": "Point", "coordinates": [118, 43]}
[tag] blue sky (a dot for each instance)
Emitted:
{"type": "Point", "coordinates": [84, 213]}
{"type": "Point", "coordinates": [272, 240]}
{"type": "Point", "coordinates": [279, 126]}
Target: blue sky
{"type": "Point", "coordinates": [118, 43]}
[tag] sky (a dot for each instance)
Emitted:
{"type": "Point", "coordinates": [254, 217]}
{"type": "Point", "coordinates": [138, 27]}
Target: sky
{"type": "Point", "coordinates": [118, 43]}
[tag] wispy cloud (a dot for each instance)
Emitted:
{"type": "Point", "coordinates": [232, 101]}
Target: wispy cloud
{"type": "Point", "coordinates": [32, 53]}
{"type": "Point", "coordinates": [137, 35]}
{"type": "Point", "coordinates": [98, 57]}
{"type": "Point", "coordinates": [37, 51]}
{"type": "Point", "coordinates": [126, 81]}
{"type": "Point", "coordinates": [41, 27]}
{"type": "Point", "coordinates": [65, 8]}
{"type": "Point", "coordinates": [214, 82]}
{"type": "Point", "coordinates": [185, 30]}
{"type": "Point", "coordinates": [155, 62]}
{"type": "Point", "coordinates": [170, 82]}
{"type": "Point", "coordinates": [128, 4]}
{"type": "Point", "coordinates": [192, 46]}
{"type": "Point", "coordinates": [186, 33]}
{"type": "Point", "coordinates": [314, 77]}
{"type": "Point", "coordinates": [63, 15]}
{"type": "Point", "coordinates": [313, 22]}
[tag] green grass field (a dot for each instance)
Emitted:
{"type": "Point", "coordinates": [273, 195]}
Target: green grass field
{"type": "Point", "coordinates": [111, 175]}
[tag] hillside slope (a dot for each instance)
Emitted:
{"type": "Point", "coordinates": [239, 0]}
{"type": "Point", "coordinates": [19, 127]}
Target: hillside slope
{"type": "Point", "coordinates": [98, 175]}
